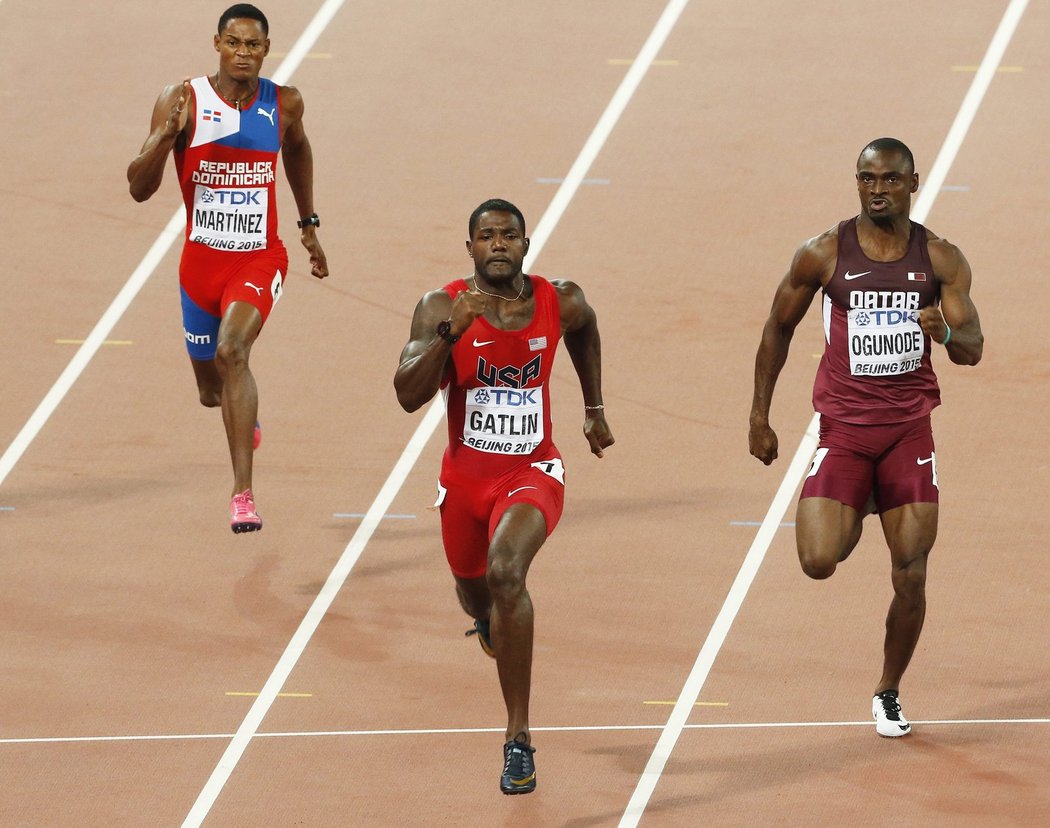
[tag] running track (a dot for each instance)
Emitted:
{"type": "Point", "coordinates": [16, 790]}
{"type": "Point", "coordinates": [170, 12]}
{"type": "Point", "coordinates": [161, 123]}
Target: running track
{"type": "Point", "coordinates": [159, 671]}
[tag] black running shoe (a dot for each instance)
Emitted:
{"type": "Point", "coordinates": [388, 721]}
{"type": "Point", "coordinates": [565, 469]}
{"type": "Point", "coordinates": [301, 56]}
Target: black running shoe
{"type": "Point", "coordinates": [481, 630]}
{"type": "Point", "coordinates": [519, 770]}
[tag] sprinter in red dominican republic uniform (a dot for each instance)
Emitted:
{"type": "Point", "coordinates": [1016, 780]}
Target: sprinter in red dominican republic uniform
{"type": "Point", "coordinates": [891, 288]}
{"type": "Point", "coordinates": [226, 131]}
{"type": "Point", "coordinates": [489, 341]}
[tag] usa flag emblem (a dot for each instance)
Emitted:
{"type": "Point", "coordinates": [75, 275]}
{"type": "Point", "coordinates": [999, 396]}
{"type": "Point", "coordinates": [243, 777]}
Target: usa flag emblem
{"type": "Point", "coordinates": [916, 277]}
{"type": "Point", "coordinates": [212, 115]}
{"type": "Point", "coordinates": [537, 343]}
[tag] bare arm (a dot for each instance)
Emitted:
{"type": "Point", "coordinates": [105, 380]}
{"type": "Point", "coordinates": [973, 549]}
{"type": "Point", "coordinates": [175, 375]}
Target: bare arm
{"type": "Point", "coordinates": [167, 125]}
{"type": "Point", "coordinates": [790, 303]}
{"type": "Point", "coordinates": [583, 342]}
{"type": "Point", "coordinates": [965, 346]}
{"type": "Point", "coordinates": [299, 169]}
{"type": "Point", "coordinates": [425, 358]}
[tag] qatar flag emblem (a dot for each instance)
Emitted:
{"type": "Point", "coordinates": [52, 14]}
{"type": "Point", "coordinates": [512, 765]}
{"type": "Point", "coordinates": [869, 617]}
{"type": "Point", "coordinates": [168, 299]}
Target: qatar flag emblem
{"type": "Point", "coordinates": [916, 277]}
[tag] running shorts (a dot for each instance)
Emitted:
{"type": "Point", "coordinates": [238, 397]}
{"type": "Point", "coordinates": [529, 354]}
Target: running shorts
{"type": "Point", "coordinates": [471, 508]}
{"type": "Point", "coordinates": [210, 281]}
{"type": "Point", "coordinates": [895, 462]}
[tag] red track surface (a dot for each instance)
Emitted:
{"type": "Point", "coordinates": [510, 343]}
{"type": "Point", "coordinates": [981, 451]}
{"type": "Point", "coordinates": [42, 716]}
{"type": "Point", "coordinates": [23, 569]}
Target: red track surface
{"type": "Point", "coordinates": [128, 609]}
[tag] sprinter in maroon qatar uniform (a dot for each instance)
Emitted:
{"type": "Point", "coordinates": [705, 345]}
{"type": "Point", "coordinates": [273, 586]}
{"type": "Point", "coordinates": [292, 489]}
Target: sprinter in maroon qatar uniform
{"type": "Point", "coordinates": [488, 342]}
{"type": "Point", "coordinates": [891, 288]}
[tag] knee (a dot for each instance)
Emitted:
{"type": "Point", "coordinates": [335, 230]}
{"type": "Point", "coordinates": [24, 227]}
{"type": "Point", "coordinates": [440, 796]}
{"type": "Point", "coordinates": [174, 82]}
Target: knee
{"type": "Point", "coordinates": [505, 576]}
{"type": "Point", "coordinates": [231, 353]}
{"type": "Point", "coordinates": [816, 569]}
{"type": "Point", "coordinates": [210, 397]}
{"type": "Point", "coordinates": [909, 581]}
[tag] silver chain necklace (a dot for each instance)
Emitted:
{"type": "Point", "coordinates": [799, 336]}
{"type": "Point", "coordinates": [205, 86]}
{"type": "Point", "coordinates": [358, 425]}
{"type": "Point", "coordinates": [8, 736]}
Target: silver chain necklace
{"type": "Point", "coordinates": [474, 279]}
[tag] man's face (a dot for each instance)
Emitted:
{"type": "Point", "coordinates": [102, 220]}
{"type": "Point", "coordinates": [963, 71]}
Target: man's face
{"type": "Point", "coordinates": [242, 47]}
{"type": "Point", "coordinates": [885, 182]}
{"type": "Point", "coordinates": [498, 246]}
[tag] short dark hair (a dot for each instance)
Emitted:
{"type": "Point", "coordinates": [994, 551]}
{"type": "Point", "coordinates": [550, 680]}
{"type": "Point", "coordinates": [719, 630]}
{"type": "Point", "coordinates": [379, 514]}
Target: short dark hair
{"type": "Point", "coordinates": [243, 10]}
{"type": "Point", "coordinates": [494, 204]}
{"type": "Point", "coordinates": [890, 145]}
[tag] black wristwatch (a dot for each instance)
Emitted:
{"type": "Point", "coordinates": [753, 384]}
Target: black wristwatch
{"type": "Point", "coordinates": [306, 222]}
{"type": "Point", "coordinates": [444, 330]}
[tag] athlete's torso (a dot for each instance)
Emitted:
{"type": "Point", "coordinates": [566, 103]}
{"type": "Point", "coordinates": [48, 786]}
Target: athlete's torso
{"type": "Point", "coordinates": [227, 171]}
{"type": "Point", "coordinates": [876, 364]}
{"type": "Point", "coordinates": [498, 388]}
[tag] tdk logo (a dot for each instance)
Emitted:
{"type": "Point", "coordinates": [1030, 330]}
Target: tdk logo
{"type": "Point", "coordinates": [236, 198]}
{"type": "Point", "coordinates": [885, 317]}
{"type": "Point", "coordinates": [508, 396]}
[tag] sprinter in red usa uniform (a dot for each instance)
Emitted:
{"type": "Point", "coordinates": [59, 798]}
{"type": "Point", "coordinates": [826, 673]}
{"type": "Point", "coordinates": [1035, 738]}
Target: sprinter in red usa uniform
{"type": "Point", "coordinates": [226, 131]}
{"type": "Point", "coordinates": [488, 343]}
{"type": "Point", "coordinates": [891, 288]}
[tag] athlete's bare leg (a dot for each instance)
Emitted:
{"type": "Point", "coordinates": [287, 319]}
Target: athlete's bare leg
{"type": "Point", "coordinates": [826, 531]}
{"type": "Point", "coordinates": [910, 533]}
{"type": "Point", "coordinates": [518, 537]}
{"type": "Point", "coordinates": [209, 383]}
{"type": "Point", "coordinates": [240, 399]}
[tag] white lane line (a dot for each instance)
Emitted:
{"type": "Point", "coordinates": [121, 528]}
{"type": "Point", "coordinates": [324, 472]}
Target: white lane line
{"type": "Point", "coordinates": [426, 428]}
{"type": "Point", "coordinates": [695, 682]}
{"type": "Point", "coordinates": [454, 731]}
{"type": "Point", "coordinates": [624, 92]}
{"type": "Point", "coordinates": [172, 232]}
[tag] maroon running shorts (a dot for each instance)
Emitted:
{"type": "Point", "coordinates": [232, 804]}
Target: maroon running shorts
{"type": "Point", "coordinates": [894, 461]}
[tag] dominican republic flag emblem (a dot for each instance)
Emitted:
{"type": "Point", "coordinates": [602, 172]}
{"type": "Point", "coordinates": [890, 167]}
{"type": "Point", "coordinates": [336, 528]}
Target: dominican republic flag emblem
{"type": "Point", "coordinates": [216, 116]}
{"type": "Point", "coordinates": [912, 277]}
{"type": "Point", "coordinates": [537, 343]}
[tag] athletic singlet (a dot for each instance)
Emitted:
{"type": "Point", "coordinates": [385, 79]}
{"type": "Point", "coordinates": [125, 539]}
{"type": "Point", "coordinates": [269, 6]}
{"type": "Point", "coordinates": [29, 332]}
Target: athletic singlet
{"type": "Point", "coordinates": [876, 364]}
{"type": "Point", "coordinates": [497, 391]}
{"type": "Point", "coordinates": [228, 170]}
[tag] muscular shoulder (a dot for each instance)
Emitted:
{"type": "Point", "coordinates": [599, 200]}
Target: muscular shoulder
{"type": "Point", "coordinates": [292, 106]}
{"type": "Point", "coordinates": [948, 260]}
{"type": "Point", "coordinates": [815, 258]}
{"type": "Point", "coordinates": [572, 304]}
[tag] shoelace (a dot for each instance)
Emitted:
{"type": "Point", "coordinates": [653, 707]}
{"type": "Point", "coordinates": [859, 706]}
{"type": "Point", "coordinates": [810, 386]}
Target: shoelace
{"type": "Point", "coordinates": [891, 706]}
{"type": "Point", "coordinates": [523, 755]}
{"type": "Point", "coordinates": [243, 506]}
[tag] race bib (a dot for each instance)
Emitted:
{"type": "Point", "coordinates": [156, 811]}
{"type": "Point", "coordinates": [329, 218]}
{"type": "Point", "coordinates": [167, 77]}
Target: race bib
{"type": "Point", "coordinates": [233, 219]}
{"type": "Point", "coordinates": [883, 341]}
{"type": "Point", "coordinates": [504, 420]}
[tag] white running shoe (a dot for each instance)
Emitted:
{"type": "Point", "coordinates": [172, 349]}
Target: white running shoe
{"type": "Point", "coordinates": [889, 720]}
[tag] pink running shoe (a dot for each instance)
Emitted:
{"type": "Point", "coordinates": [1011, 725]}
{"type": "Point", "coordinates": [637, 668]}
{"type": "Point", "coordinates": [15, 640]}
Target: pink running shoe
{"type": "Point", "coordinates": [258, 436]}
{"type": "Point", "coordinates": [243, 517]}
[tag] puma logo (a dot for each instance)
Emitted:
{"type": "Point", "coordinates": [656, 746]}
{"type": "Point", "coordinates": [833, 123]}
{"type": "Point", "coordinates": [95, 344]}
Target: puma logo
{"type": "Point", "coordinates": [258, 290]}
{"type": "Point", "coordinates": [269, 115]}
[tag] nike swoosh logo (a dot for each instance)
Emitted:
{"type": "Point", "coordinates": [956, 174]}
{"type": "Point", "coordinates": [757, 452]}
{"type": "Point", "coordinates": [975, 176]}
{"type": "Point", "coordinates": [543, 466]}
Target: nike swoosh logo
{"type": "Point", "coordinates": [849, 277]}
{"type": "Point", "coordinates": [480, 344]}
{"type": "Point", "coordinates": [520, 489]}
{"type": "Point", "coordinates": [923, 461]}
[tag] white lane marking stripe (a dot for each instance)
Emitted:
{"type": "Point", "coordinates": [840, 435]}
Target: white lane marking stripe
{"type": "Point", "coordinates": [454, 731]}
{"type": "Point", "coordinates": [695, 682]}
{"type": "Point", "coordinates": [426, 428]}
{"type": "Point", "coordinates": [94, 341]}
{"type": "Point", "coordinates": [624, 92]}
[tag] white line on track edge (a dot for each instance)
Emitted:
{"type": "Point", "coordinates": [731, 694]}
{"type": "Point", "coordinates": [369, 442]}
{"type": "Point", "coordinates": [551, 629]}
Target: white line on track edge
{"type": "Point", "coordinates": [454, 731]}
{"type": "Point", "coordinates": [734, 600]}
{"type": "Point", "coordinates": [426, 428]}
